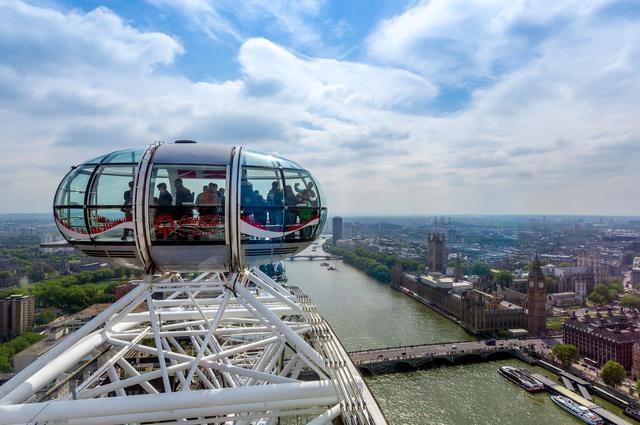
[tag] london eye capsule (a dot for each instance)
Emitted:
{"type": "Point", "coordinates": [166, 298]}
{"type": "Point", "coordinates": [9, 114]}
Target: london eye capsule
{"type": "Point", "coordinates": [184, 207]}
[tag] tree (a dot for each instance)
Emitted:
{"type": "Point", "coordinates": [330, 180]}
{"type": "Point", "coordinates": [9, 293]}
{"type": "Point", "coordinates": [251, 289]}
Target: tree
{"type": "Point", "coordinates": [480, 268]}
{"type": "Point", "coordinates": [617, 286]}
{"type": "Point", "coordinates": [629, 300]}
{"type": "Point", "coordinates": [45, 317]}
{"type": "Point", "coordinates": [612, 294]}
{"type": "Point", "coordinates": [551, 284]}
{"type": "Point", "coordinates": [613, 373]}
{"type": "Point", "coordinates": [504, 278]}
{"type": "Point", "coordinates": [596, 298]}
{"type": "Point", "coordinates": [565, 353]}
{"type": "Point", "coordinates": [5, 277]}
{"type": "Point", "coordinates": [602, 290]}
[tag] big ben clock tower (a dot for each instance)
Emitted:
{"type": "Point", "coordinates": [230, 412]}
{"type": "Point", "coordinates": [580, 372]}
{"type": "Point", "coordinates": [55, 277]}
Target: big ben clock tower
{"type": "Point", "coordinates": [536, 301]}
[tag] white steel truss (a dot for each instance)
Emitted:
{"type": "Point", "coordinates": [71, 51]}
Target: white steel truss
{"type": "Point", "coordinates": [220, 348]}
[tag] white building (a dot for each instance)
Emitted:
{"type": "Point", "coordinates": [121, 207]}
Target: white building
{"type": "Point", "coordinates": [561, 299]}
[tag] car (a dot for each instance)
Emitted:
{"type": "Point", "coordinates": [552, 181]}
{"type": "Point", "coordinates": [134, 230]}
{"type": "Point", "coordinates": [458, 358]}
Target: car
{"type": "Point", "coordinates": [490, 342]}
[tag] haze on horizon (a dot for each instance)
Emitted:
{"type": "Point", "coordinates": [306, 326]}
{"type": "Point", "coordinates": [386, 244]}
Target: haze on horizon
{"type": "Point", "coordinates": [421, 108]}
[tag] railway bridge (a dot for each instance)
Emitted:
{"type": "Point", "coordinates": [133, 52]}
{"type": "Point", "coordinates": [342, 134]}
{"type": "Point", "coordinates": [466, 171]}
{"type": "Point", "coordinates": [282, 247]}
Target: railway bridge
{"type": "Point", "coordinates": [412, 357]}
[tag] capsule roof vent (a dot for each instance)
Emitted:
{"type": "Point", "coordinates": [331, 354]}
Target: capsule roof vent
{"type": "Point", "coordinates": [184, 141]}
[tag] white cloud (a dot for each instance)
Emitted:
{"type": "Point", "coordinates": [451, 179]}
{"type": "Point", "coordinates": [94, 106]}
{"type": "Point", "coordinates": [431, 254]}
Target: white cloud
{"type": "Point", "coordinates": [39, 40]}
{"type": "Point", "coordinates": [101, 91]}
{"type": "Point", "coordinates": [453, 41]}
{"type": "Point", "coordinates": [556, 133]}
{"type": "Point", "coordinates": [236, 19]}
{"type": "Point", "coordinates": [319, 82]}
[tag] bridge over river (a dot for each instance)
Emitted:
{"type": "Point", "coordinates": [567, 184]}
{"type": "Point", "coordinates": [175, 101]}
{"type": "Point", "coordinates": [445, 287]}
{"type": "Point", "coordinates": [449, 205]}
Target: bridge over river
{"type": "Point", "coordinates": [412, 357]}
{"type": "Point", "coordinates": [315, 257]}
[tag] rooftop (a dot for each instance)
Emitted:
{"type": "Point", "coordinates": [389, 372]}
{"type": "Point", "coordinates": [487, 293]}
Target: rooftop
{"type": "Point", "coordinates": [618, 328]}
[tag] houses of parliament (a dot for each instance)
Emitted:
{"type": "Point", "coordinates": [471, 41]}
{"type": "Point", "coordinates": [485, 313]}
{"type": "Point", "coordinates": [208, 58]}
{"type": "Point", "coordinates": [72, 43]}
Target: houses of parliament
{"type": "Point", "coordinates": [460, 298]}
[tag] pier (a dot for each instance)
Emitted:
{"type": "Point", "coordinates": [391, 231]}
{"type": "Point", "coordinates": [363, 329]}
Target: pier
{"type": "Point", "coordinates": [556, 388]}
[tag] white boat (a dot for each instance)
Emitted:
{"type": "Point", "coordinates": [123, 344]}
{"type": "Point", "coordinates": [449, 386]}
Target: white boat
{"type": "Point", "coordinates": [521, 378]}
{"type": "Point", "coordinates": [577, 410]}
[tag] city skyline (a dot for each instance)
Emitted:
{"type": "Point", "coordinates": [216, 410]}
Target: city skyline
{"type": "Point", "coordinates": [430, 107]}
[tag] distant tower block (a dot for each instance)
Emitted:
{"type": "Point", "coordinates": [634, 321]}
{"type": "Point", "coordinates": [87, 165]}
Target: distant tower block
{"type": "Point", "coordinates": [436, 252]}
{"type": "Point", "coordinates": [337, 229]}
{"type": "Point", "coordinates": [536, 296]}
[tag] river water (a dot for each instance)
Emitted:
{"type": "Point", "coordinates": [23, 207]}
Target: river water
{"type": "Point", "coordinates": [367, 314]}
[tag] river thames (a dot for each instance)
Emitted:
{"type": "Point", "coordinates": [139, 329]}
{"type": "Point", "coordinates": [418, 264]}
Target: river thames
{"type": "Point", "coordinates": [367, 314]}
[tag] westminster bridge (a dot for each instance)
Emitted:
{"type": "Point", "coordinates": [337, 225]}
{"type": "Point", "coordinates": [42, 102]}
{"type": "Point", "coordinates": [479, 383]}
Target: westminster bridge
{"type": "Point", "coordinates": [412, 357]}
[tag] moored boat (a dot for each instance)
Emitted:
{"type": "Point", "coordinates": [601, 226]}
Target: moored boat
{"type": "Point", "coordinates": [521, 378]}
{"type": "Point", "coordinates": [577, 410]}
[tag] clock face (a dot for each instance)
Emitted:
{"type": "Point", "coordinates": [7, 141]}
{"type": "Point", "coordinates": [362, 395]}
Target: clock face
{"type": "Point", "coordinates": [531, 284]}
{"type": "Point", "coordinates": [541, 284]}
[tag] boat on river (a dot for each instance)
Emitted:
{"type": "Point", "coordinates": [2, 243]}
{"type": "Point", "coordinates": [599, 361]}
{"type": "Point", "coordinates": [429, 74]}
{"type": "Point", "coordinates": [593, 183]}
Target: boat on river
{"type": "Point", "coordinates": [577, 410]}
{"type": "Point", "coordinates": [521, 378]}
{"type": "Point", "coordinates": [324, 264]}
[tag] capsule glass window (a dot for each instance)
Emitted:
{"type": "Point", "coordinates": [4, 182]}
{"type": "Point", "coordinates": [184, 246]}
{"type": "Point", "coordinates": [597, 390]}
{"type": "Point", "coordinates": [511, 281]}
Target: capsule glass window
{"type": "Point", "coordinates": [73, 188]}
{"type": "Point", "coordinates": [70, 221]}
{"type": "Point", "coordinates": [110, 215]}
{"type": "Point", "coordinates": [252, 158]}
{"type": "Point", "coordinates": [69, 204]}
{"type": "Point", "coordinates": [187, 204]}
{"type": "Point", "coordinates": [303, 205]}
{"type": "Point", "coordinates": [261, 204]}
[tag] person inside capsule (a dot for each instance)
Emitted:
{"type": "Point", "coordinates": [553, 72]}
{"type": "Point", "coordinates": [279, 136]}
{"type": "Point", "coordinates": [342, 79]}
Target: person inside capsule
{"type": "Point", "coordinates": [184, 216]}
{"type": "Point", "coordinates": [126, 209]}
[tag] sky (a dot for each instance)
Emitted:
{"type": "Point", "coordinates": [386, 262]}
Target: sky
{"type": "Point", "coordinates": [421, 107]}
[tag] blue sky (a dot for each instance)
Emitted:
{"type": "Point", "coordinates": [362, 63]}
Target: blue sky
{"type": "Point", "coordinates": [421, 107]}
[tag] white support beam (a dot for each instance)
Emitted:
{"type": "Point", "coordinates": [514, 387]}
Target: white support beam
{"type": "Point", "coordinates": [132, 406]}
{"type": "Point", "coordinates": [300, 343]}
{"type": "Point", "coordinates": [159, 348]}
{"type": "Point", "coordinates": [53, 362]}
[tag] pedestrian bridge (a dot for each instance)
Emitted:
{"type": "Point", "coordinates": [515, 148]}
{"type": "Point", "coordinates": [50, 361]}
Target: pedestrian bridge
{"type": "Point", "coordinates": [315, 257]}
{"type": "Point", "coordinates": [412, 357]}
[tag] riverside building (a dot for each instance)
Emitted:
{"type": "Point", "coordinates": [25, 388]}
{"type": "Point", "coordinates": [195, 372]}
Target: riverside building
{"type": "Point", "coordinates": [477, 311]}
{"type": "Point", "coordinates": [602, 339]}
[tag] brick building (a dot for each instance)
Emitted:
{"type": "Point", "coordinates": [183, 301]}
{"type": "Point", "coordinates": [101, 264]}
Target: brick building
{"type": "Point", "coordinates": [124, 289]}
{"type": "Point", "coordinates": [17, 314]}
{"type": "Point", "coordinates": [635, 364]}
{"type": "Point", "coordinates": [602, 339]}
